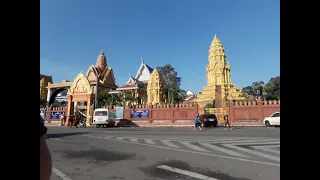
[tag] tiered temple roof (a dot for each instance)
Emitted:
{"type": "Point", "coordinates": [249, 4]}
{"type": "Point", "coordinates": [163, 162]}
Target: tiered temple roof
{"type": "Point", "coordinates": [102, 72]}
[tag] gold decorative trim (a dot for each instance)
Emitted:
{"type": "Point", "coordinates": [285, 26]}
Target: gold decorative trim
{"type": "Point", "coordinates": [79, 77]}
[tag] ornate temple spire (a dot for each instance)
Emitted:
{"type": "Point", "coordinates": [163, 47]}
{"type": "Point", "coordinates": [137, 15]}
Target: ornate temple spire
{"type": "Point", "coordinates": [216, 48]}
{"type": "Point", "coordinates": [101, 61]}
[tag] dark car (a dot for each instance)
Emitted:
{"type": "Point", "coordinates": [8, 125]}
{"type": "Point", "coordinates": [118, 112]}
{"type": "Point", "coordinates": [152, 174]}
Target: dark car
{"type": "Point", "coordinates": [209, 120]}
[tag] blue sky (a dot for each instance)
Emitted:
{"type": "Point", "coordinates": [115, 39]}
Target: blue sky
{"type": "Point", "coordinates": [176, 32]}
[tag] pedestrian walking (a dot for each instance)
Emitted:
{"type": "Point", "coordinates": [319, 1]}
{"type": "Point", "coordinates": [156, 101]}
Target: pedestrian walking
{"type": "Point", "coordinates": [197, 123]}
{"type": "Point", "coordinates": [226, 121]}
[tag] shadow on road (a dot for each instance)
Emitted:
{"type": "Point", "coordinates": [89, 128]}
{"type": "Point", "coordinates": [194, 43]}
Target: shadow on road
{"type": "Point", "coordinates": [153, 171]}
{"type": "Point", "coordinates": [58, 135]}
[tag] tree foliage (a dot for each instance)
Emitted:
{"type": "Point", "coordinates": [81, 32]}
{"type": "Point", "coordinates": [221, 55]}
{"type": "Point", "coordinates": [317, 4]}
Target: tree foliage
{"type": "Point", "coordinates": [272, 89]}
{"type": "Point", "coordinates": [269, 91]}
{"type": "Point", "coordinates": [172, 91]}
{"type": "Point", "coordinates": [106, 99]}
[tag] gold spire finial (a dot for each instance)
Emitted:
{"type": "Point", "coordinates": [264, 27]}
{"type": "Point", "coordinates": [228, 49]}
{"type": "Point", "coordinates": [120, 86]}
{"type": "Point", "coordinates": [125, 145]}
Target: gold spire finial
{"type": "Point", "coordinates": [101, 61]}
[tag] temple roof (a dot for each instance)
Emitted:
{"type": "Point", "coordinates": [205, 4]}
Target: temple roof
{"type": "Point", "coordinates": [46, 78]}
{"type": "Point", "coordinates": [144, 72]}
{"type": "Point", "coordinates": [101, 61]}
{"type": "Point", "coordinates": [189, 93]}
{"type": "Point", "coordinates": [102, 71]}
{"type": "Point", "coordinates": [216, 44]}
{"type": "Point", "coordinates": [128, 86]}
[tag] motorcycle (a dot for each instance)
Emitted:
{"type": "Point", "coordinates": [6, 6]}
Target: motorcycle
{"type": "Point", "coordinates": [82, 123]}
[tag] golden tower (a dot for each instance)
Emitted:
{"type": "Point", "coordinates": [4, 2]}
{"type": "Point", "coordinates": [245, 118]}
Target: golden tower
{"type": "Point", "coordinates": [218, 75]}
{"type": "Point", "coordinates": [43, 90]}
{"type": "Point", "coordinates": [155, 88]}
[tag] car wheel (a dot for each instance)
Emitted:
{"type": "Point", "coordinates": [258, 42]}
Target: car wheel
{"type": "Point", "coordinates": [267, 123]}
{"type": "Point", "coordinates": [97, 126]}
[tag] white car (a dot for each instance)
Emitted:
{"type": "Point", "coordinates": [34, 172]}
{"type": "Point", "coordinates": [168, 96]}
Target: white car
{"type": "Point", "coordinates": [272, 120]}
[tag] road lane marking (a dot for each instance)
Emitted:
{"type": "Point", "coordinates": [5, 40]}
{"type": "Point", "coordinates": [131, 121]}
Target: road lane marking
{"type": "Point", "coordinates": [253, 143]}
{"type": "Point", "coordinates": [60, 174]}
{"type": "Point", "coordinates": [149, 141]}
{"type": "Point", "coordinates": [57, 139]}
{"type": "Point", "coordinates": [170, 144]}
{"type": "Point", "coordinates": [119, 138]}
{"type": "Point", "coordinates": [273, 141]}
{"type": "Point", "coordinates": [134, 139]}
{"type": "Point", "coordinates": [184, 172]}
{"type": "Point", "coordinates": [268, 148]}
{"type": "Point", "coordinates": [193, 152]}
{"type": "Point", "coordinates": [253, 152]}
{"type": "Point", "coordinates": [224, 150]}
{"type": "Point", "coordinates": [197, 148]}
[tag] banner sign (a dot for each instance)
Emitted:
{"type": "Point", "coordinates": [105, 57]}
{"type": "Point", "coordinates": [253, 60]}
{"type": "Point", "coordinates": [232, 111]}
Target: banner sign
{"type": "Point", "coordinates": [140, 114]}
{"type": "Point", "coordinates": [119, 112]}
{"type": "Point", "coordinates": [56, 115]}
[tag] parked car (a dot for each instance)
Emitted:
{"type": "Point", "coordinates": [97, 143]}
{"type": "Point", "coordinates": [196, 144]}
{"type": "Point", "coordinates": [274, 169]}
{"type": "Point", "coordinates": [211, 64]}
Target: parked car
{"type": "Point", "coordinates": [272, 120]}
{"type": "Point", "coordinates": [208, 120]}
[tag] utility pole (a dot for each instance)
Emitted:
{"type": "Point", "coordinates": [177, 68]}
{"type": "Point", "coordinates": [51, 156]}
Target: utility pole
{"type": "Point", "coordinates": [96, 94]}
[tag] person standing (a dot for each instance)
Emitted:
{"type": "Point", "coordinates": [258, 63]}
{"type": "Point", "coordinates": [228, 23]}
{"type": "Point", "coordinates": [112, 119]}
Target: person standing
{"type": "Point", "coordinates": [197, 122]}
{"type": "Point", "coordinates": [226, 121]}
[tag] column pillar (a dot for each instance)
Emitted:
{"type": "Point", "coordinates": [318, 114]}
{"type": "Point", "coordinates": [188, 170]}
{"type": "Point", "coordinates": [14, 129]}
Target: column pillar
{"type": "Point", "coordinates": [70, 108]}
{"type": "Point", "coordinates": [49, 94]}
{"type": "Point", "coordinates": [88, 111]}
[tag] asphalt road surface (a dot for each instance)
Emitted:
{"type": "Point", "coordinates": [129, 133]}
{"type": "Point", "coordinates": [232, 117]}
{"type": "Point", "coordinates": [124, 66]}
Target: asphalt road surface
{"type": "Point", "coordinates": [165, 153]}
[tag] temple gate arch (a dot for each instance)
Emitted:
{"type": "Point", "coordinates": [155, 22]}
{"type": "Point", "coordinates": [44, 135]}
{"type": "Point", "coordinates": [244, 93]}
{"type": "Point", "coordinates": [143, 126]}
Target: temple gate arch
{"type": "Point", "coordinates": [80, 91]}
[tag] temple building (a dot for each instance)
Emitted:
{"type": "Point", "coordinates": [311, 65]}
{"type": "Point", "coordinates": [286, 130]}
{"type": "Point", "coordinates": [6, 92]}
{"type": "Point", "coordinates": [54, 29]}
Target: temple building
{"type": "Point", "coordinates": [137, 86]}
{"type": "Point", "coordinates": [155, 88]}
{"type": "Point", "coordinates": [190, 97]}
{"type": "Point", "coordinates": [219, 86]}
{"type": "Point", "coordinates": [82, 89]}
{"type": "Point", "coordinates": [44, 81]}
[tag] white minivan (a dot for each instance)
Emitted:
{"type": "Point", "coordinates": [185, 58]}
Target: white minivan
{"type": "Point", "coordinates": [103, 117]}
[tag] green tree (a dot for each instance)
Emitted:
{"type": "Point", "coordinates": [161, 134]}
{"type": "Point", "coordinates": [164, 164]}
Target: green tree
{"type": "Point", "coordinates": [180, 96]}
{"type": "Point", "coordinates": [105, 99]}
{"type": "Point", "coordinates": [171, 83]}
{"type": "Point", "coordinates": [272, 89]}
{"type": "Point", "coordinates": [130, 99]}
{"type": "Point", "coordinates": [269, 91]}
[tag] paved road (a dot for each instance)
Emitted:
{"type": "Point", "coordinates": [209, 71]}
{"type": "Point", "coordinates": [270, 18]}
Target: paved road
{"type": "Point", "coordinates": [165, 153]}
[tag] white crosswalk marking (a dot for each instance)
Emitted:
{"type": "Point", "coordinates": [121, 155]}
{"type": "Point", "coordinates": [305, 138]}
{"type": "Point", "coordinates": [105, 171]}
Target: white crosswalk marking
{"type": "Point", "coordinates": [197, 148]}
{"type": "Point", "coordinates": [149, 141]}
{"type": "Point", "coordinates": [134, 139]}
{"type": "Point", "coordinates": [253, 152]}
{"type": "Point", "coordinates": [256, 147]}
{"type": "Point", "coordinates": [252, 143]}
{"type": "Point", "coordinates": [170, 144]}
{"type": "Point", "coordinates": [224, 150]}
{"type": "Point", "coordinates": [268, 148]}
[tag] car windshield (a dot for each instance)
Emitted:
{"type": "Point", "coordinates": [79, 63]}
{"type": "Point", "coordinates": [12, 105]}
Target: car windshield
{"type": "Point", "coordinates": [211, 116]}
{"type": "Point", "coordinates": [101, 113]}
